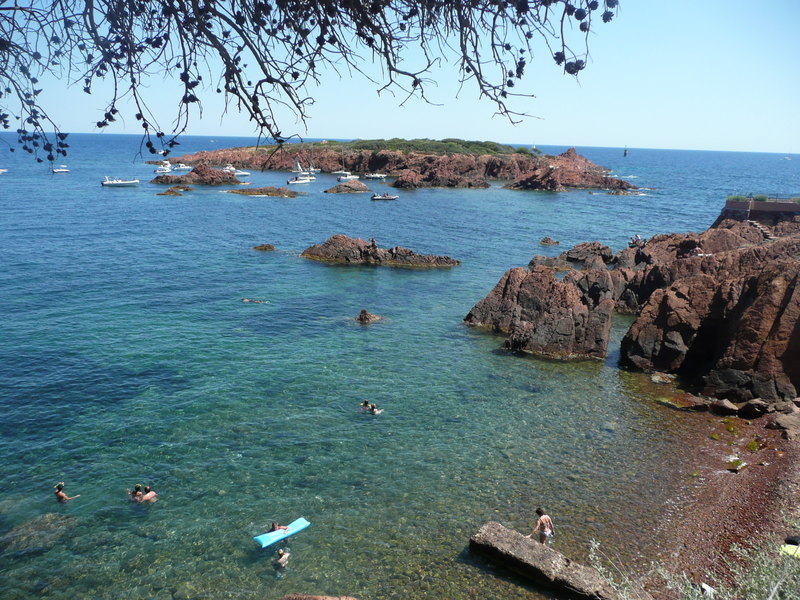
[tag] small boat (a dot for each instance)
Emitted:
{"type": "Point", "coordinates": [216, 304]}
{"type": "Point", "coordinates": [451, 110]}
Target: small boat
{"type": "Point", "coordinates": [117, 182]}
{"type": "Point", "coordinates": [181, 167]}
{"type": "Point", "coordinates": [61, 169]}
{"type": "Point", "coordinates": [229, 168]}
{"type": "Point", "coordinates": [340, 172]}
{"type": "Point", "coordinates": [375, 176]}
{"type": "Point", "coordinates": [3, 170]}
{"type": "Point", "coordinates": [301, 179]}
{"type": "Point", "coordinates": [347, 176]}
{"type": "Point", "coordinates": [384, 197]}
{"type": "Point", "coordinates": [164, 168]}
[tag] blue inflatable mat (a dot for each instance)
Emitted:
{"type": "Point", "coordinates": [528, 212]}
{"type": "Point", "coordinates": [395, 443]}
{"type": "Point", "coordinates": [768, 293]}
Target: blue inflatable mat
{"type": "Point", "coordinates": [266, 539]}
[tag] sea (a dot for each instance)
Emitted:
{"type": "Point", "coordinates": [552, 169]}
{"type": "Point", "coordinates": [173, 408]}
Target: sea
{"type": "Point", "coordinates": [128, 356]}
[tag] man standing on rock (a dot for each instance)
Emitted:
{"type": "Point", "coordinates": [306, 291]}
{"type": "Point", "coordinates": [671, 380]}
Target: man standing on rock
{"type": "Point", "coordinates": [544, 525]}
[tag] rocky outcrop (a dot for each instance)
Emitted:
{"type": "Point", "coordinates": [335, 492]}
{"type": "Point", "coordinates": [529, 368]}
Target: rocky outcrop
{"type": "Point", "coordinates": [353, 186]}
{"type": "Point", "coordinates": [264, 247]}
{"type": "Point", "coordinates": [567, 170]}
{"type": "Point", "coordinates": [200, 175]}
{"type": "Point", "coordinates": [414, 169]}
{"type": "Point", "coordinates": [268, 191]}
{"type": "Point", "coordinates": [545, 317]}
{"type": "Point", "coordinates": [548, 241]}
{"type": "Point", "coordinates": [540, 563]}
{"type": "Point", "coordinates": [346, 250]}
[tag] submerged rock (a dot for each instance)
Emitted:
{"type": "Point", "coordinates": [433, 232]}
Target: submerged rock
{"type": "Point", "coordinates": [264, 247]}
{"type": "Point", "coordinates": [541, 564]}
{"type": "Point", "coordinates": [346, 250]}
{"type": "Point", "coordinates": [38, 535]}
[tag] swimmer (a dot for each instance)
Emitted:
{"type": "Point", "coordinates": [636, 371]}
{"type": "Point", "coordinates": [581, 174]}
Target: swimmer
{"type": "Point", "coordinates": [374, 410]}
{"type": "Point", "coordinates": [61, 496]}
{"type": "Point", "coordinates": [253, 300]}
{"type": "Point", "coordinates": [149, 495]}
{"type": "Point", "coordinates": [282, 559]}
{"type": "Point", "coordinates": [136, 493]}
{"type": "Point", "coordinates": [276, 527]}
{"type": "Point", "coordinates": [364, 406]}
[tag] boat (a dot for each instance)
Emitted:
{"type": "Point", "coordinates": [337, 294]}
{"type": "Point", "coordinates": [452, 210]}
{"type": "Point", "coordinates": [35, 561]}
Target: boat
{"type": "Point", "coordinates": [301, 179]}
{"type": "Point", "coordinates": [163, 168]}
{"type": "Point", "coordinates": [61, 169]}
{"type": "Point", "coordinates": [347, 176]}
{"type": "Point", "coordinates": [384, 197]}
{"type": "Point", "coordinates": [375, 176]}
{"type": "Point", "coordinates": [117, 182]}
{"type": "Point", "coordinates": [229, 168]}
{"type": "Point", "coordinates": [181, 167]}
{"type": "Point", "coordinates": [3, 170]}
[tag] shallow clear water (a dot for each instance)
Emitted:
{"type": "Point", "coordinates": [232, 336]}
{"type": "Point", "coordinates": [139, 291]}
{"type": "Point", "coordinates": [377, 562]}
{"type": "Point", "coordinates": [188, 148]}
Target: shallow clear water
{"type": "Point", "coordinates": [127, 356]}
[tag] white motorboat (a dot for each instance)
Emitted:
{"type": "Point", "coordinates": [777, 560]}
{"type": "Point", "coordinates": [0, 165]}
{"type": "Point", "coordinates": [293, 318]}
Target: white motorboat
{"type": "Point", "coordinates": [347, 176]}
{"type": "Point", "coordinates": [375, 176]}
{"type": "Point", "coordinates": [163, 168]}
{"type": "Point", "coordinates": [61, 169]}
{"type": "Point", "coordinates": [117, 182]}
{"type": "Point", "coordinates": [384, 197]}
{"type": "Point", "coordinates": [229, 168]}
{"type": "Point", "coordinates": [301, 179]}
{"type": "Point", "coordinates": [3, 170]}
{"type": "Point", "coordinates": [181, 167]}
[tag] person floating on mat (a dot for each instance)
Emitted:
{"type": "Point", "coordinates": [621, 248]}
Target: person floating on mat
{"type": "Point", "coordinates": [544, 525]}
{"type": "Point", "coordinates": [276, 527]}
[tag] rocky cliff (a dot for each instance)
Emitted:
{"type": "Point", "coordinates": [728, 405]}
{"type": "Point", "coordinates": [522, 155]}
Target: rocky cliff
{"type": "Point", "coordinates": [413, 169]}
{"type": "Point", "coordinates": [720, 308]}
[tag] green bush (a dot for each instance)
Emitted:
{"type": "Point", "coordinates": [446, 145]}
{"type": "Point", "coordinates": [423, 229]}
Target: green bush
{"type": "Point", "coordinates": [426, 146]}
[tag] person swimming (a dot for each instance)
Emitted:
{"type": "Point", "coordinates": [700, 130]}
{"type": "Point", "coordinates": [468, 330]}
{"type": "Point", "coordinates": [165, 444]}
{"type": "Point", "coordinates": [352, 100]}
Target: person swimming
{"type": "Point", "coordinates": [374, 410]}
{"type": "Point", "coordinates": [136, 493]}
{"type": "Point", "coordinates": [61, 497]}
{"type": "Point", "coordinates": [149, 495]}
{"type": "Point", "coordinates": [364, 406]}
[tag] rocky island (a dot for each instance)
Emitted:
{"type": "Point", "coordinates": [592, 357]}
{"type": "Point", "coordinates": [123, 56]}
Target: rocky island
{"type": "Point", "coordinates": [426, 163]}
{"type": "Point", "coordinates": [356, 251]}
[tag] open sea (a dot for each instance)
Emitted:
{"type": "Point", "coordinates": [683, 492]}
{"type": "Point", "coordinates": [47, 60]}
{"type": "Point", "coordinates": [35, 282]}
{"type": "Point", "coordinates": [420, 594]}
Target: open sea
{"type": "Point", "coordinates": [127, 356]}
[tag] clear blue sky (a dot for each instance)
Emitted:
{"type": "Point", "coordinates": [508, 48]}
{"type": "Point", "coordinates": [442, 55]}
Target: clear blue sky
{"type": "Point", "coordinates": [687, 74]}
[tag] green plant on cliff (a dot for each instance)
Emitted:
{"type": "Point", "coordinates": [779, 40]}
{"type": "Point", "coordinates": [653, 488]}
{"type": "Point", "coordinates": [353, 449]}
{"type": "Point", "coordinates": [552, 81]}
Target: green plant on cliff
{"type": "Point", "coordinates": [265, 58]}
{"type": "Point", "coordinates": [426, 146]}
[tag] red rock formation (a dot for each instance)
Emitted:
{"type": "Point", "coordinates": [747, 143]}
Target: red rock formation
{"type": "Point", "coordinates": [200, 175]}
{"type": "Point", "coordinates": [568, 170]}
{"type": "Point", "coordinates": [545, 317]}
{"type": "Point", "coordinates": [423, 170]}
{"type": "Point", "coordinates": [342, 249]}
{"type": "Point", "coordinates": [353, 186]}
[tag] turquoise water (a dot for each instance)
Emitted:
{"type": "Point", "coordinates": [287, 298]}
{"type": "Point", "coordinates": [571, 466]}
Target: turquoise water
{"type": "Point", "coordinates": [127, 356]}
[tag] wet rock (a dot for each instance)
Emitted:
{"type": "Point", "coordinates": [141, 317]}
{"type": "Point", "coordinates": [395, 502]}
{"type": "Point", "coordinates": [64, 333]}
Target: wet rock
{"type": "Point", "coordinates": [264, 247]}
{"type": "Point", "coordinates": [753, 408]}
{"type": "Point", "coordinates": [724, 407]}
{"type": "Point", "coordinates": [270, 191]}
{"type": "Point", "coordinates": [661, 378]}
{"type": "Point", "coordinates": [547, 241]}
{"type": "Point", "coordinates": [346, 250]}
{"type": "Point", "coordinates": [540, 563]}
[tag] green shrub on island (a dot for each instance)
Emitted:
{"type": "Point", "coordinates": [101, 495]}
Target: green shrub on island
{"type": "Point", "coordinates": [426, 146]}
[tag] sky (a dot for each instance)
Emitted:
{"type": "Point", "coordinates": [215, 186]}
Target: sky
{"type": "Point", "coordinates": [682, 74]}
